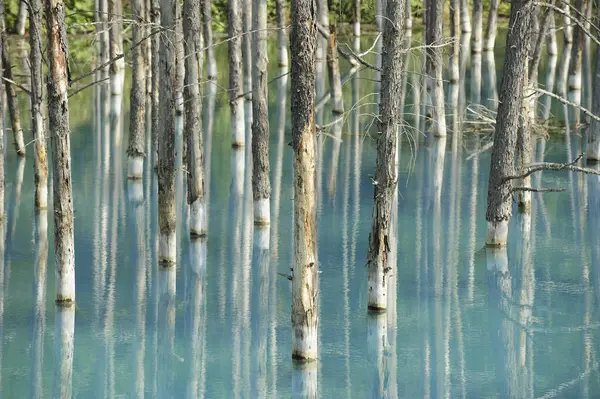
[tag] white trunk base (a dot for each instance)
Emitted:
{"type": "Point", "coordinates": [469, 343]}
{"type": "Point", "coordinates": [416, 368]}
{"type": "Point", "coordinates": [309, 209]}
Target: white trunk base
{"type": "Point", "coordinates": [283, 57]}
{"type": "Point", "coordinates": [135, 167]}
{"type": "Point", "coordinates": [262, 212]}
{"type": "Point", "coordinates": [238, 124]}
{"type": "Point", "coordinates": [43, 196]}
{"type": "Point", "coordinates": [117, 81]}
{"type": "Point", "coordinates": [593, 149]}
{"type": "Point", "coordinates": [304, 381]}
{"type": "Point", "coordinates": [198, 219]}
{"type": "Point", "coordinates": [497, 234]}
{"type": "Point", "coordinates": [377, 291]}
{"type": "Point", "coordinates": [64, 337]}
{"type": "Point", "coordinates": [261, 237]}
{"type": "Point", "coordinates": [198, 256]}
{"type": "Point", "coordinates": [167, 248]}
{"type": "Point", "coordinates": [496, 260]}
{"type": "Point", "coordinates": [304, 343]}
{"type": "Point", "coordinates": [135, 191]}
{"type": "Point", "coordinates": [65, 284]}
{"type": "Point", "coordinates": [357, 29]}
{"type": "Point", "coordinates": [179, 108]}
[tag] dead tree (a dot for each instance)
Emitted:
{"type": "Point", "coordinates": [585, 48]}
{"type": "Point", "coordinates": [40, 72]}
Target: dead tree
{"type": "Point", "coordinates": [593, 144]}
{"type": "Point", "coordinates": [2, 149]}
{"type": "Point", "coordinates": [137, 124]}
{"type": "Point", "coordinates": [333, 68]}
{"type": "Point", "coordinates": [236, 74]}
{"type": "Point", "coordinates": [155, 86]}
{"type": "Point", "coordinates": [21, 18]}
{"type": "Point", "coordinates": [500, 190]}
{"type": "Point", "coordinates": [379, 268]}
{"type": "Point", "coordinates": [282, 41]}
{"type": "Point", "coordinates": [211, 61]}
{"type": "Point", "coordinates": [11, 97]}
{"type": "Point", "coordinates": [40, 160]}
{"type": "Point", "coordinates": [179, 59]}
{"type": "Point", "coordinates": [247, 47]}
{"type": "Point", "coordinates": [492, 26]}
{"type": "Point", "coordinates": [356, 18]}
{"type": "Point", "coordinates": [117, 68]}
{"type": "Point", "coordinates": [192, 32]}
{"type": "Point", "coordinates": [465, 18]}
{"type": "Point", "coordinates": [435, 65]}
{"type": "Point", "coordinates": [167, 250]}
{"type": "Point", "coordinates": [60, 138]}
{"type": "Point", "coordinates": [575, 66]}
{"type": "Point", "coordinates": [305, 315]}
{"type": "Point", "coordinates": [261, 185]}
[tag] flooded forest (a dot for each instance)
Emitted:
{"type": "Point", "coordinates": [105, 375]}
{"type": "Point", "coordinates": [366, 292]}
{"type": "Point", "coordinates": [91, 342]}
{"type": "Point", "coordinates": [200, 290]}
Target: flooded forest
{"type": "Point", "coordinates": [299, 198]}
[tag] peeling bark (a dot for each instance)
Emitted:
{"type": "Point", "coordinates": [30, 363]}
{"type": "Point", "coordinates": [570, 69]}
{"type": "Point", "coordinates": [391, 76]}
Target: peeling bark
{"type": "Point", "coordinates": [11, 97]}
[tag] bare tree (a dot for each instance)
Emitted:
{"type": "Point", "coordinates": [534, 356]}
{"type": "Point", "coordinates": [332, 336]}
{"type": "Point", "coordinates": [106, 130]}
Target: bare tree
{"type": "Point", "coordinates": [236, 79]}
{"type": "Point", "coordinates": [500, 189]}
{"type": "Point", "coordinates": [40, 161]}
{"type": "Point", "coordinates": [192, 31]}
{"type": "Point", "coordinates": [282, 41]}
{"type": "Point", "coordinates": [492, 26]}
{"type": "Point", "coordinates": [356, 17]}
{"type": "Point", "coordinates": [593, 144]}
{"type": "Point", "coordinates": [11, 96]}
{"type": "Point", "coordinates": [465, 18]}
{"type": "Point", "coordinates": [247, 47]}
{"type": "Point", "coordinates": [115, 21]}
{"type": "Point", "coordinates": [137, 124]}
{"type": "Point", "coordinates": [167, 219]}
{"type": "Point", "coordinates": [575, 65]}
{"type": "Point", "coordinates": [261, 185]}
{"type": "Point", "coordinates": [155, 87]}
{"type": "Point", "coordinates": [58, 118]}
{"type": "Point", "coordinates": [378, 264]}
{"type": "Point", "coordinates": [333, 68]}
{"type": "Point", "coordinates": [304, 275]}
{"type": "Point", "coordinates": [21, 18]}
{"type": "Point", "coordinates": [1, 152]}
{"type": "Point", "coordinates": [211, 61]}
{"type": "Point", "coordinates": [434, 62]}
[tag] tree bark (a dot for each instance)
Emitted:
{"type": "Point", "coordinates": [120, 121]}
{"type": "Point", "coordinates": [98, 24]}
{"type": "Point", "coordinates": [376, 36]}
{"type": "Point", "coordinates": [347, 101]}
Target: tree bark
{"type": "Point", "coordinates": [1, 157]}
{"type": "Point", "coordinates": [58, 117]}
{"type": "Point", "coordinates": [21, 18]}
{"type": "Point", "coordinates": [247, 47]}
{"type": "Point", "coordinates": [455, 34]}
{"type": "Point", "coordinates": [356, 18]}
{"type": "Point", "coordinates": [491, 28]}
{"type": "Point", "coordinates": [333, 67]}
{"type": "Point", "coordinates": [179, 59]}
{"type": "Point", "coordinates": [477, 38]}
{"type": "Point", "coordinates": [64, 337]}
{"type": "Point", "coordinates": [211, 62]}
{"type": "Point", "coordinates": [236, 75]}
{"type": "Point", "coordinates": [435, 65]}
{"type": "Point", "coordinates": [115, 21]}
{"type": "Point", "coordinates": [102, 46]}
{"type": "Point", "coordinates": [593, 144]}
{"type": "Point", "coordinates": [155, 94]}
{"type": "Point", "coordinates": [192, 93]}
{"type": "Point", "coordinates": [551, 44]}
{"type": "Point", "coordinates": [465, 18]}
{"type": "Point", "coordinates": [137, 124]}
{"type": "Point", "coordinates": [261, 185]}
{"type": "Point", "coordinates": [40, 160]}
{"type": "Point", "coordinates": [499, 207]}
{"type": "Point", "coordinates": [575, 65]}
{"type": "Point", "coordinates": [282, 41]}
{"type": "Point", "coordinates": [378, 264]}
{"type": "Point", "coordinates": [167, 250]}
{"type": "Point", "coordinates": [11, 97]}
{"type": "Point", "coordinates": [305, 316]}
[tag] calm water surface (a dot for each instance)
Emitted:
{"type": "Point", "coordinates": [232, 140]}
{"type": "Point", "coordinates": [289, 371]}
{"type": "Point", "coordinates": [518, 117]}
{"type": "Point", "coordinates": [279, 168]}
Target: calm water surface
{"type": "Point", "coordinates": [467, 322]}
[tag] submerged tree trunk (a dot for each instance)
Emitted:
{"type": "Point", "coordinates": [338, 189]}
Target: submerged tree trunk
{"type": "Point", "coordinates": [11, 97]}
{"type": "Point", "coordinates": [192, 32]}
{"type": "Point", "coordinates": [58, 126]}
{"type": "Point", "coordinates": [379, 268]}
{"type": "Point", "coordinates": [40, 160]}
{"type": "Point", "coordinates": [435, 64]}
{"type": "Point", "coordinates": [282, 41]}
{"type": "Point", "coordinates": [491, 28]}
{"type": "Point", "coordinates": [167, 250]}
{"type": "Point", "coordinates": [500, 191]}
{"type": "Point", "coordinates": [305, 316]}
{"type": "Point", "coordinates": [333, 67]}
{"type": "Point", "coordinates": [236, 78]}
{"type": "Point", "coordinates": [117, 68]}
{"type": "Point", "coordinates": [261, 186]}
{"type": "Point", "coordinates": [137, 124]}
{"type": "Point", "coordinates": [211, 61]}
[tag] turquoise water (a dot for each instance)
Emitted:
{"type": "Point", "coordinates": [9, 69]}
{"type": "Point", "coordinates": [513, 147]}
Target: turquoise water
{"type": "Point", "coordinates": [468, 322]}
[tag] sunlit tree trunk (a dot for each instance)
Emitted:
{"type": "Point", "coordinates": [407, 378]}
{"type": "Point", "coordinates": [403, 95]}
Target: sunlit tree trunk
{"type": "Point", "coordinates": [567, 22]}
{"type": "Point", "coordinates": [304, 275]}
{"type": "Point", "coordinates": [137, 124]}
{"type": "Point", "coordinates": [155, 87]}
{"type": "Point", "coordinates": [193, 116]}
{"type": "Point", "coordinates": [40, 161]}
{"type": "Point", "coordinates": [236, 80]}
{"type": "Point", "coordinates": [282, 40]}
{"type": "Point", "coordinates": [465, 18]}
{"type": "Point", "coordinates": [491, 28]}
{"type": "Point", "coordinates": [247, 46]}
{"type": "Point", "coordinates": [64, 337]}
{"type": "Point", "coordinates": [166, 144]}
{"type": "Point", "coordinates": [499, 207]}
{"type": "Point", "coordinates": [378, 265]}
{"type": "Point", "coordinates": [593, 144]}
{"type": "Point", "coordinates": [551, 44]}
{"type": "Point", "coordinates": [575, 65]}
{"type": "Point", "coordinates": [21, 18]}
{"type": "Point", "coordinates": [179, 59]}
{"type": "Point", "coordinates": [11, 97]}
{"type": "Point", "coordinates": [58, 117]}
{"type": "Point", "coordinates": [454, 73]}
{"type": "Point", "coordinates": [211, 61]}
{"type": "Point", "coordinates": [117, 68]}
{"type": "Point", "coordinates": [261, 185]}
{"type": "Point", "coordinates": [333, 67]}
{"type": "Point", "coordinates": [435, 65]}
{"type": "Point", "coordinates": [356, 18]}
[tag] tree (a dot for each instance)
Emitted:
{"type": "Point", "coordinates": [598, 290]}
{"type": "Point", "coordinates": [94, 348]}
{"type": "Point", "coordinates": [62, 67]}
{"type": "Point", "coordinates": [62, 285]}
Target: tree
{"type": "Point", "coordinates": [11, 96]}
{"type": "Point", "coordinates": [115, 29]}
{"type": "Point", "coordinates": [500, 189]}
{"type": "Point", "coordinates": [378, 264]}
{"type": "Point", "coordinates": [236, 75]}
{"type": "Point", "coordinates": [305, 314]}
{"type": "Point", "coordinates": [435, 65]}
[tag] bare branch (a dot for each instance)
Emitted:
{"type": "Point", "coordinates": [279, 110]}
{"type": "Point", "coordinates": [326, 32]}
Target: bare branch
{"type": "Point", "coordinates": [539, 190]}
{"type": "Point", "coordinates": [12, 82]}
{"type": "Point", "coordinates": [567, 102]}
{"type": "Point", "coordinates": [523, 173]}
{"type": "Point", "coordinates": [88, 85]}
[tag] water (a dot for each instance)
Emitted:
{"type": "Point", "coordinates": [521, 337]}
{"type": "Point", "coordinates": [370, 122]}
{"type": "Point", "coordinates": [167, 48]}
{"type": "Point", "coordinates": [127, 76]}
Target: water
{"type": "Point", "coordinates": [468, 322]}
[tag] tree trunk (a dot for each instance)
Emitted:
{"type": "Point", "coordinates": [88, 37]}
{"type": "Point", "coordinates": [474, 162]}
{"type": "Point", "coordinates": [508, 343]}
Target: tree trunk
{"type": "Point", "coordinates": [179, 59]}
{"type": "Point", "coordinates": [211, 62]}
{"type": "Point", "coordinates": [40, 160]}
{"type": "Point", "coordinates": [192, 31]}
{"type": "Point", "coordinates": [499, 207]}
{"type": "Point", "coordinates": [477, 38]}
{"type": "Point", "coordinates": [379, 13]}
{"type": "Point", "coordinates": [524, 156]}
{"type": "Point", "coordinates": [551, 44]}
{"type": "Point", "coordinates": [261, 186]}
{"type": "Point", "coordinates": [465, 18]}
{"type": "Point", "coordinates": [356, 18]}
{"type": "Point", "coordinates": [593, 145]}
{"type": "Point", "coordinates": [102, 46]}
{"type": "Point", "coordinates": [567, 22]}
{"type": "Point", "coordinates": [155, 95]}
{"type": "Point", "coordinates": [454, 73]}
{"type": "Point", "coordinates": [11, 98]}
{"type": "Point", "coordinates": [64, 337]}
{"type": "Point", "coordinates": [282, 40]}
{"type": "Point", "coordinates": [491, 28]}
{"type": "Point", "coordinates": [1, 157]}
{"type": "Point", "coordinates": [575, 65]}
{"type": "Point", "coordinates": [167, 250]}
{"type": "Point", "coordinates": [21, 18]}
{"type": "Point", "coordinates": [236, 79]}
{"type": "Point", "coordinates": [378, 265]}
{"type": "Point", "coordinates": [137, 124]}
{"type": "Point", "coordinates": [435, 65]}
{"type": "Point", "coordinates": [39, 297]}
{"type": "Point", "coordinates": [333, 67]}
{"type": "Point", "coordinates": [117, 68]}
{"type": "Point", "coordinates": [247, 47]}
{"type": "Point", "coordinates": [304, 275]}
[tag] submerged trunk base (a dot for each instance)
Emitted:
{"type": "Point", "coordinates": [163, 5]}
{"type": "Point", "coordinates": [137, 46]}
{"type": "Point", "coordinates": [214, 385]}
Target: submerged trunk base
{"type": "Point", "coordinates": [377, 289]}
{"type": "Point", "coordinates": [198, 219]}
{"type": "Point", "coordinates": [304, 343]}
{"type": "Point", "coordinates": [167, 247]}
{"type": "Point", "coordinates": [261, 237]}
{"type": "Point", "coordinates": [135, 191]}
{"type": "Point", "coordinates": [497, 234]}
{"type": "Point", "coordinates": [135, 167]}
{"type": "Point", "coordinates": [262, 212]}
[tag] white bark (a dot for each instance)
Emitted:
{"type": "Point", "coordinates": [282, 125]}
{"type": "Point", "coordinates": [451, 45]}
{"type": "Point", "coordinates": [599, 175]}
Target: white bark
{"type": "Point", "coordinates": [497, 234]}
{"type": "Point", "coordinates": [262, 211]}
{"type": "Point", "coordinates": [135, 167]}
{"type": "Point", "coordinates": [304, 381]}
{"type": "Point", "coordinates": [198, 218]}
{"type": "Point", "coordinates": [21, 18]}
{"type": "Point", "coordinates": [377, 345]}
{"type": "Point", "coordinates": [64, 336]}
{"type": "Point", "coordinates": [135, 191]}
